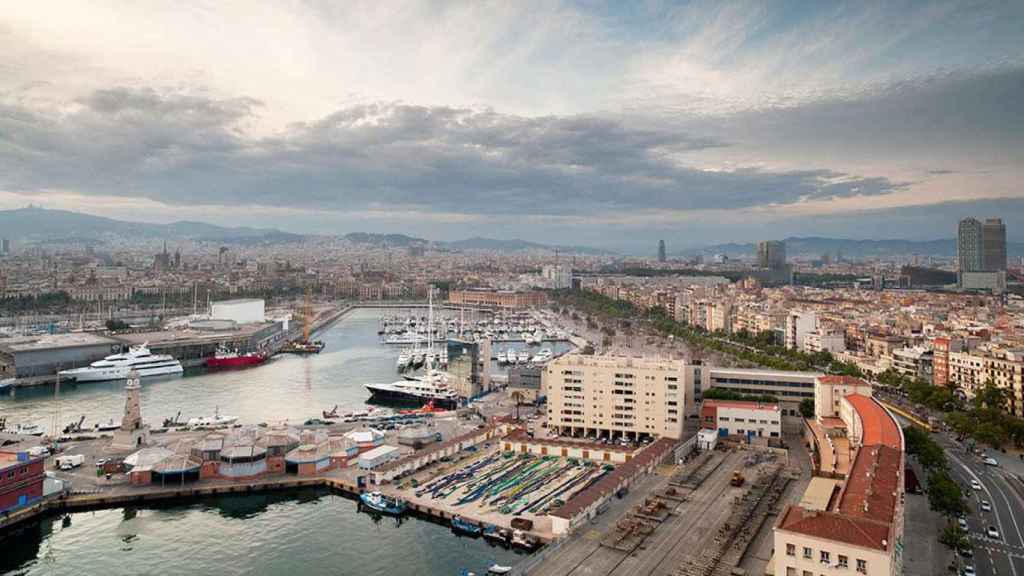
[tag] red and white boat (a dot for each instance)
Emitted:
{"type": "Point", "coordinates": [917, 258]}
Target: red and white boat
{"type": "Point", "coordinates": [225, 358]}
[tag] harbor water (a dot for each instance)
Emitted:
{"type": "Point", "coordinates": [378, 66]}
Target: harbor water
{"type": "Point", "coordinates": [287, 388]}
{"type": "Point", "coordinates": [310, 532]}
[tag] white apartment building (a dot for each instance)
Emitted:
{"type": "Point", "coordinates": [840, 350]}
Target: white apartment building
{"type": "Point", "coordinates": [615, 396]}
{"type": "Point", "coordinates": [824, 341]}
{"type": "Point", "coordinates": [799, 324]}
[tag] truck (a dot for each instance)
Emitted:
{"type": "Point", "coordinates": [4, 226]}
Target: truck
{"type": "Point", "coordinates": [737, 478]}
{"type": "Point", "coordinates": [70, 461]}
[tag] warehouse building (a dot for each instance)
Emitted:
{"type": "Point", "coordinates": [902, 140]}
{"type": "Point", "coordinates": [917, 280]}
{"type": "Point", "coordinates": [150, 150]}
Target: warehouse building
{"type": "Point", "coordinates": [45, 355]}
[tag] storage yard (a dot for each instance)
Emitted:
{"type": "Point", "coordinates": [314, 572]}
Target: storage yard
{"type": "Point", "coordinates": [687, 520]}
{"type": "Point", "coordinates": [494, 486]}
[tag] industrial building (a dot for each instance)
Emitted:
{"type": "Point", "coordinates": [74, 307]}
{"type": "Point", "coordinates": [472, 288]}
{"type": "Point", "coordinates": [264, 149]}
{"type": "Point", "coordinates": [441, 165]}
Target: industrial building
{"type": "Point", "coordinates": [44, 355]}
{"type": "Point", "coordinates": [742, 418]}
{"type": "Point", "coordinates": [526, 381]}
{"type": "Point", "coordinates": [240, 311]}
{"type": "Point", "coordinates": [615, 396]}
{"type": "Point", "coordinates": [21, 480]}
{"type": "Point", "coordinates": [192, 347]}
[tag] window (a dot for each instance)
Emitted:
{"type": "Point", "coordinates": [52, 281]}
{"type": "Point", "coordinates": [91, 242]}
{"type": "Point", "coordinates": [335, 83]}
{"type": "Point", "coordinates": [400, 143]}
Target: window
{"type": "Point", "coordinates": [862, 566]}
{"type": "Point", "coordinates": [790, 549]}
{"type": "Point", "coordinates": [790, 571]}
{"type": "Point", "coordinates": [844, 562]}
{"type": "Point", "coordinates": [808, 553]}
{"type": "Point", "coordinates": [808, 573]}
{"type": "Point", "coordinates": [826, 558]}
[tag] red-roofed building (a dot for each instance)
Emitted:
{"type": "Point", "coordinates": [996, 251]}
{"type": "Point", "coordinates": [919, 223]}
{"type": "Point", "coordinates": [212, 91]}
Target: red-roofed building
{"type": "Point", "coordinates": [742, 418]}
{"type": "Point", "coordinates": [862, 531]}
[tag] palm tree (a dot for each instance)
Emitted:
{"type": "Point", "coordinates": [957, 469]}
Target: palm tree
{"type": "Point", "coordinates": [517, 396]}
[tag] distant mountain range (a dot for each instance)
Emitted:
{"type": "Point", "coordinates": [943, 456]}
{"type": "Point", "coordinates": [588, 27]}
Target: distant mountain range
{"type": "Point", "coordinates": [34, 224]}
{"type": "Point", "coordinates": [816, 246]}
{"type": "Point", "coordinates": [39, 224]}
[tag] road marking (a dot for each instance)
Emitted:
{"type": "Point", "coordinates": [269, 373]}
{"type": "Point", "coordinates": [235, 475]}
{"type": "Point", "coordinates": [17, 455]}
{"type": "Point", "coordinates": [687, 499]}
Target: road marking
{"type": "Point", "coordinates": [1002, 532]}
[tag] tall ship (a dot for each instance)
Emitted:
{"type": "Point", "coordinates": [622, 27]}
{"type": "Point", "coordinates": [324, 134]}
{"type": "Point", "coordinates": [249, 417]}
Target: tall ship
{"type": "Point", "coordinates": [305, 345]}
{"type": "Point", "coordinates": [225, 358]}
{"type": "Point", "coordinates": [117, 366]}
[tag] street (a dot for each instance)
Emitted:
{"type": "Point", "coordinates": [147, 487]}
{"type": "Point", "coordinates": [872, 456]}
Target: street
{"type": "Point", "coordinates": [992, 556]}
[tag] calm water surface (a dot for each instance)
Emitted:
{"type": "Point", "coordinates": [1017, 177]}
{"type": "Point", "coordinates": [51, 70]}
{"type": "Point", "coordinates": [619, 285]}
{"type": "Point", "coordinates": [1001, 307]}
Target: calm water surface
{"type": "Point", "coordinates": [307, 533]}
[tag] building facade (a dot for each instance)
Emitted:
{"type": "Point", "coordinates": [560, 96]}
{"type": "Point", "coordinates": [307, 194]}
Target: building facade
{"type": "Point", "coordinates": [496, 298]}
{"type": "Point", "coordinates": [21, 480]}
{"type": "Point", "coordinates": [740, 418]}
{"type": "Point", "coordinates": [615, 396]}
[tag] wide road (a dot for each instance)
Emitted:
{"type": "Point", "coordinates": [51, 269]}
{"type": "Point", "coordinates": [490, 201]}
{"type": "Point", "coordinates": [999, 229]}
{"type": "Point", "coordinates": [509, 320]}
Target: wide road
{"type": "Point", "coordinates": [1000, 556]}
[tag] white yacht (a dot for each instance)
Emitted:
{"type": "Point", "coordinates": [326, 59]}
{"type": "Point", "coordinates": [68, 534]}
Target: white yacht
{"type": "Point", "coordinates": [117, 366]}
{"type": "Point", "coordinates": [543, 356]}
{"type": "Point", "coordinates": [523, 357]}
{"type": "Point", "coordinates": [419, 390]}
{"type": "Point", "coordinates": [29, 429]}
{"type": "Point", "coordinates": [403, 360]}
{"type": "Point", "coordinates": [217, 420]}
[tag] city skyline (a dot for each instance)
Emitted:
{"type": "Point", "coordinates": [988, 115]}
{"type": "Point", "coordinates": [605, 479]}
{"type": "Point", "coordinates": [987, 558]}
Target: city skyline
{"type": "Point", "coordinates": [647, 123]}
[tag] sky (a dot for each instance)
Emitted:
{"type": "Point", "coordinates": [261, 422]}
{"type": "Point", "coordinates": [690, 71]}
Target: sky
{"type": "Point", "coordinates": [608, 124]}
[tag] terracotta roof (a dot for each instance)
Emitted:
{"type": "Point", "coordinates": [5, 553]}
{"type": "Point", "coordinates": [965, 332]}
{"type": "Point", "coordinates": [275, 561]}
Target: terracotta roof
{"type": "Point", "coordinates": [746, 404]}
{"type": "Point", "coordinates": [879, 426]}
{"type": "Point", "coordinates": [873, 485]}
{"type": "Point", "coordinates": [610, 482]}
{"type": "Point", "coordinates": [838, 527]}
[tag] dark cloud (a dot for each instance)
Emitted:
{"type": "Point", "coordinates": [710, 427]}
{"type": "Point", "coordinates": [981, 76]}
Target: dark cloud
{"type": "Point", "coordinates": [189, 149]}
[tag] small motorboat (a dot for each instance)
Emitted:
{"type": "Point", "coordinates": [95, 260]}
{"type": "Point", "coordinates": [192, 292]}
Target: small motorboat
{"type": "Point", "coordinates": [29, 429]}
{"type": "Point", "coordinates": [499, 569]}
{"type": "Point", "coordinates": [463, 526]}
{"type": "Point", "coordinates": [378, 502]}
{"type": "Point", "coordinates": [6, 383]}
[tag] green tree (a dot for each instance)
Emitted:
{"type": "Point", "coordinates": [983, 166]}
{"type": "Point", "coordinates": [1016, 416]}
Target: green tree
{"type": "Point", "coordinates": [807, 407]}
{"type": "Point", "coordinates": [944, 494]}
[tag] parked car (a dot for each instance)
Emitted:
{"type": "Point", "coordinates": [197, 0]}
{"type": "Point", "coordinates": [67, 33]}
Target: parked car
{"type": "Point", "coordinates": [992, 532]}
{"type": "Point", "coordinates": [986, 506]}
{"type": "Point", "coordinates": [962, 522]}
{"type": "Point", "coordinates": [966, 552]}
{"type": "Point", "coordinates": [990, 461]}
{"type": "Point", "coordinates": [967, 570]}
{"type": "Point", "coordinates": [975, 485]}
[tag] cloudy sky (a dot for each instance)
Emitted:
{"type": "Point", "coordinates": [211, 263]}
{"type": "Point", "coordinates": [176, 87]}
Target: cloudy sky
{"type": "Point", "coordinates": [607, 124]}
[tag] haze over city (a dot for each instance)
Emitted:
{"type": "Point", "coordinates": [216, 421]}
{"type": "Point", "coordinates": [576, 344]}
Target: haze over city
{"type": "Point", "coordinates": [606, 125]}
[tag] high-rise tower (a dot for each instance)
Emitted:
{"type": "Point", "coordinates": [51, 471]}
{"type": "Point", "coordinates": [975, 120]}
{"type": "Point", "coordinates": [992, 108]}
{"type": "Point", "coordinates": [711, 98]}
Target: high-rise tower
{"type": "Point", "coordinates": [661, 251]}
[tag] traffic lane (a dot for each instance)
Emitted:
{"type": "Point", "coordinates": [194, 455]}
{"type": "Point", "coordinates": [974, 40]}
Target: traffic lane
{"type": "Point", "coordinates": [1009, 506]}
{"type": "Point", "coordinates": [995, 551]}
{"type": "Point", "coordinates": [1004, 505]}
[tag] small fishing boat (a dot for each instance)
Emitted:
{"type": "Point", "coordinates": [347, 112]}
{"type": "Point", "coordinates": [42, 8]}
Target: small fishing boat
{"type": "Point", "coordinates": [466, 527]}
{"type": "Point", "coordinates": [29, 429]}
{"type": "Point", "coordinates": [382, 504]}
{"type": "Point", "coordinates": [499, 569]}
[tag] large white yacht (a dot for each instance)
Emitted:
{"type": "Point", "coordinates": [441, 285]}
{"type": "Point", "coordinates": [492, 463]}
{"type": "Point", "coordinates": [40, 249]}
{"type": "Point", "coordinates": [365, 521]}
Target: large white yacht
{"type": "Point", "coordinates": [117, 366]}
{"type": "Point", "coordinates": [417, 390]}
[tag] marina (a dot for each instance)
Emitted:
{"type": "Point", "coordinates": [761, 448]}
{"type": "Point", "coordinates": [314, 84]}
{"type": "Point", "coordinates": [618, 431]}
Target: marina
{"type": "Point", "coordinates": [320, 392]}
